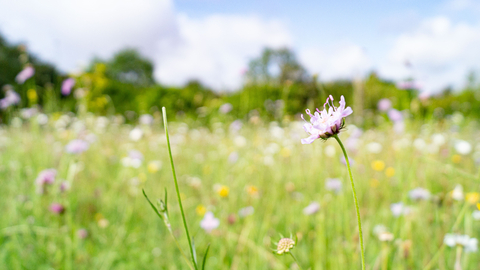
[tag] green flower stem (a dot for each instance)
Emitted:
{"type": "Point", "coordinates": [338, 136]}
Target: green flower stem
{"type": "Point", "coordinates": [295, 259]}
{"type": "Point", "coordinates": [192, 252]}
{"type": "Point", "coordinates": [355, 199]}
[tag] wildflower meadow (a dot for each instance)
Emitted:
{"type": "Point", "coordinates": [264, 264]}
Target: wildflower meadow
{"type": "Point", "coordinates": [72, 195]}
{"type": "Point", "coordinates": [151, 138]}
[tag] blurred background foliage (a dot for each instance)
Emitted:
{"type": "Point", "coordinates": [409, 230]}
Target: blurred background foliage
{"type": "Point", "coordinates": [276, 86]}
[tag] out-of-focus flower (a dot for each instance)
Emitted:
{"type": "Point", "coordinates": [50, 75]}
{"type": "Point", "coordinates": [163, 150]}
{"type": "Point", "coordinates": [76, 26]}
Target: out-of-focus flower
{"type": "Point", "coordinates": [380, 228]}
{"type": "Point", "coordinates": [67, 86]}
{"type": "Point", "coordinates": [145, 119]}
{"type": "Point", "coordinates": [463, 147]}
{"type": "Point", "coordinates": [154, 166]}
{"type": "Point", "coordinates": [457, 193]}
{"type": "Point", "coordinates": [438, 139]}
{"type": "Point", "coordinates": [252, 190]}
{"type": "Point", "coordinates": [333, 184]}
{"type": "Point", "coordinates": [77, 146]}
{"type": "Point", "coordinates": [134, 159]}
{"type": "Point", "coordinates": [82, 233]}
{"type": "Point", "coordinates": [378, 165]}
{"type": "Point", "coordinates": [472, 197]}
{"type": "Point", "coordinates": [64, 186]}
{"type": "Point", "coordinates": [233, 157]}
{"type": "Point", "coordinates": [46, 177]}
{"type": "Point", "coordinates": [399, 127]}
{"type": "Point", "coordinates": [284, 245]}
{"type": "Point", "coordinates": [311, 209]}
{"type": "Point", "coordinates": [476, 215]}
{"type": "Point", "coordinates": [235, 126]}
{"type": "Point", "coordinates": [419, 194]}
{"type": "Point", "coordinates": [103, 223]}
{"type": "Point", "coordinates": [57, 208]}
{"type": "Point", "coordinates": [42, 119]}
{"type": "Point", "coordinates": [395, 115]}
{"type": "Point", "coordinates": [209, 222]}
{"type": "Point", "coordinates": [11, 98]}
{"type": "Point", "coordinates": [385, 236]}
{"type": "Point", "coordinates": [28, 113]}
{"type": "Point", "coordinates": [246, 211]}
{"type": "Point", "coordinates": [384, 104]}
{"type": "Point", "coordinates": [231, 219]}
{"type": "Point", "coordinates": [225, 108]}
{"type": "Point", "coordinates": [25, 74]}
{"type": "Point", "coordinates": [456, 158]}
{"type": "Point", "coordinates": [399, 209]}
{"type": "Point", "coordinates": [374, 147]}
{"type": "Point", "coordinates": [223, 191]}
{"type": "Point", "coordinates": [201, 210]}
{"type": "Point", "coordinates": [136, 134]}
{"type": "Point", "coordinates": [390, 172]}
{"type": "Point", "coordinates": [32, 95]}
{"type": "Point", "coordinates": [194, 182]}
{"type": "Point", "coordinates": [326, 123]}
{"type": "Point", "coordinates": [468, 243]}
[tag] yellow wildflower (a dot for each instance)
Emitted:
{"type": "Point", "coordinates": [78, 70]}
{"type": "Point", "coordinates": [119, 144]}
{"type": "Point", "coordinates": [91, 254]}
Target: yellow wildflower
{"type": "Point", "coordinates": [201, 210]}
{"type": "Point", "coordinates": [456, 158]}
{"type": "Point", "coordinates": [252, 190]}
{"type": "Point", "coordinates": [390, 172]}
{"type": "Point", "coordinates": [472, 197]}
{"type": "Point", "coordinates": [378, 165]}
{"type": "Point", "coordinates": [223, 191]}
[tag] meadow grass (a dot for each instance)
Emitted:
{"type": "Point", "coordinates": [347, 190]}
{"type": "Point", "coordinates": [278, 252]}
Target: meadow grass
{"type": "Point", "coordinates": [262, 165]}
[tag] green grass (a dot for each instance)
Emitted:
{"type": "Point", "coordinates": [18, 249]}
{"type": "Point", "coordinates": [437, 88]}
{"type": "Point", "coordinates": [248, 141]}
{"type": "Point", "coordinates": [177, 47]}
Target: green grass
{"type": "Point", "coordinates": [287, 174]}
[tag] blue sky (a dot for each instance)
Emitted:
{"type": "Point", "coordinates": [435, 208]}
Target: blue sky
{"type": "Point", "coordinates": [213, 40]}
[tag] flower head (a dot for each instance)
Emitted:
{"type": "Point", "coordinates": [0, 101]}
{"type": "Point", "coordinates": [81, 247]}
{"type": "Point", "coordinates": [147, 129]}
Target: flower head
{"type": "Point", "coordinates": [326, 123]}
{"type": "Point", "coordinates": [11, 98]}
{"type": "Point", "coordinates": [284, 245]}
{"type": "Point", "coordinates": [67, 86]}
{"type": "Point", "coordinates": [311, 209]}
{"type": "Point", "coordinates": [209, 222]}
{"type": "Point", "coordinates": [333, 184]}
{"type": "Point", "coordinates": [57, 208]}
{"type": "Point", "coordinates": [470, 244]}
{"type": "Point", "coordinates": [46, 177]}
{"type": "Point", "coordinates": [419, 193]}
{"type": "Point", "coordinates": [77, 146]}
{"type": "Point", "coordinates": [25, 74]}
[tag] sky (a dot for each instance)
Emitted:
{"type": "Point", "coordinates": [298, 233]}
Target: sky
{"type": "Point", "coordinates": [213, 40]}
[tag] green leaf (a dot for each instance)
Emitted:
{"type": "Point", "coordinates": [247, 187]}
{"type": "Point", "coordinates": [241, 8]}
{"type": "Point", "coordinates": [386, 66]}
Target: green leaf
{"type": "Point", "coordinates": [151, 204]}
{"type": "Point", "coordinates": [205, 257]}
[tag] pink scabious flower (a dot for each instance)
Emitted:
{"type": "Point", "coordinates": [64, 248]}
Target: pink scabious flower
{"type": "Point", "coordinates": [326, 123]}
{"type": "Point", "coordinates": [77, 146]}
{"type": "Point", "coordinates": [57, 208]}
{"type": "Point", "coordinates": [11, 98]}
{"type": "Point", "coordinates": [67, 86]}
{"type": "Point", "coordinates": [25, 74]}
{"type": "Point", "coordinates": [46, 177]}
{"type": "Point", "coordinates": [384, 104]}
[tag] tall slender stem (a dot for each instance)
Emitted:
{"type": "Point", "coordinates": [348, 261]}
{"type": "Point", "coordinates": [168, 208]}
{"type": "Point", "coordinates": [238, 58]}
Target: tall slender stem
{"type": "Point", "coordinates": [192, 252]}
{"type": "Point", "coordinates": [296, 261]}
{"type": "Point", "coordinates": [355, 199]}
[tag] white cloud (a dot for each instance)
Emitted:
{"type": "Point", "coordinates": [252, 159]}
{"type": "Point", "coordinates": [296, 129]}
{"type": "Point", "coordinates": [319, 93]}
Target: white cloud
{"type": "Point", "coordinates": [217, 49]}
{"type": "Point", "coordinates": [72, 32]}
{"type": "Point", "coordinates": [441, 52]}
{"type": "Point", "coordinates": [214, 49]}
{"type": "Point", "coordinates": [337, 62]}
